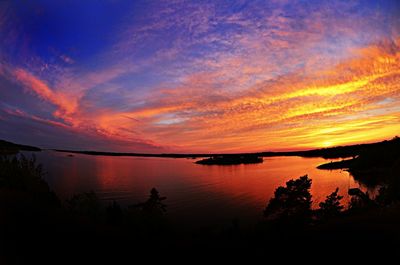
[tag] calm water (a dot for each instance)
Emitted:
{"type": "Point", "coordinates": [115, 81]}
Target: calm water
{"type": "Point", "coordinates": [195, 193]}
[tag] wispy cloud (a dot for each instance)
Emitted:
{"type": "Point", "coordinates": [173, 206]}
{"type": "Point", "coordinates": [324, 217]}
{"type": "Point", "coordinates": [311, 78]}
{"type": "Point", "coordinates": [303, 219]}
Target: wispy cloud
{"type": "Point", "coordinates": [66, 106]}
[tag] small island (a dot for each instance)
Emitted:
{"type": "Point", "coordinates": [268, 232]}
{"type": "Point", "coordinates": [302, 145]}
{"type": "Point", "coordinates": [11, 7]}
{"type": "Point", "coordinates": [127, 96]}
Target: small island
{"type": "Point", "coordinates": [231, 160]}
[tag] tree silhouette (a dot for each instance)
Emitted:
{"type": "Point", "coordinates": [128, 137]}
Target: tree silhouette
{"type": "Point", "coordinates": [331, 206]}
{"type": "Point", "coordinates": [154, 204]}
{"type": "Point", "coordinates": [292, 202]}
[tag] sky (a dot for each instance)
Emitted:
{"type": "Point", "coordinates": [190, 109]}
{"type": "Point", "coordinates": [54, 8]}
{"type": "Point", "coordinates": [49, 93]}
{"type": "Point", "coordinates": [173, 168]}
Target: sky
{"type": "Point", "coordinates": [199, 76]}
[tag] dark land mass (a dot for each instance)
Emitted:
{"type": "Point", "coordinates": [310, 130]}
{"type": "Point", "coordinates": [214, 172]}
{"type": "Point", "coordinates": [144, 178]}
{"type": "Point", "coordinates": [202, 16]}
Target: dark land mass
{"type": "Point", "coordinates": [231, 160]}
{"type": "Point", "coordinates": [331, 152]}
{"type": "Point", "coordinates": [9, 147]}
{"type": "Point", "coordinates": [344, 164]}
{"type": "Point", "coordinates": [373, 165]}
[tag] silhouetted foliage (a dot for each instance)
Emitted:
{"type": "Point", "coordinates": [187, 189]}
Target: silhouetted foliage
{"type": "Point", "coordinates": [292, 202]}
{"type": "Point", "coordinates": [331, 206]}
{"type": "Point", "coordinates": [85, 204]}
{"type": "Point", "coordinates": [21, 173]}
{"type": "Point", "coordinates": [154, 204]}
{"type": "Point", "coordinates": [24, 174]}
{"type": "Point", "coordinates": [114, 214]}
{"type": "Point", "coordinates": [149, 216]}
{"type": "Point", "coordinates": [384, 197]}
{"type": "Point", "coordinates": [359, 200]}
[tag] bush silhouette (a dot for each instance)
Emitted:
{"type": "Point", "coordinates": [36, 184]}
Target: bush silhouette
{"type": "Point", "coordinates": [291, 203]}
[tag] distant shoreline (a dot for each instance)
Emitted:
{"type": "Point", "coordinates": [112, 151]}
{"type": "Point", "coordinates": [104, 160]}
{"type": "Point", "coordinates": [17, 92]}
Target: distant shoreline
{"type": "Point", "coordinates": [327, 153]}
{"type": "Point", "coordinates": [331, 152]}
{"type": "Point", "coordinates": [308, 153]}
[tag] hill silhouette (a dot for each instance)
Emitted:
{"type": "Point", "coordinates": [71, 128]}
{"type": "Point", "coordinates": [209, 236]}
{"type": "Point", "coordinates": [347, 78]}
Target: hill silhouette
{"type": "Point", "coordinates": [9, 147]}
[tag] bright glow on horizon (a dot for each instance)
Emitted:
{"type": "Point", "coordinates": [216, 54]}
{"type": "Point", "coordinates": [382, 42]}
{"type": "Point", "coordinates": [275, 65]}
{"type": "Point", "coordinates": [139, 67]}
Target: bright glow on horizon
{"type": "Point", "coordinates": [189, 77]}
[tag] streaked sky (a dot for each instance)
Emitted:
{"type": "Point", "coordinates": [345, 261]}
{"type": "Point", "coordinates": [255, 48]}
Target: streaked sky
{"type": "Point", "coordinates": [199, 76]}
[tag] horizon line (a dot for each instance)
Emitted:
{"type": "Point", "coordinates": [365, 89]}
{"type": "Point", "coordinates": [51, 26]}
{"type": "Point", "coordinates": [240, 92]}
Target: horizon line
{"type": "Point", "coordinates": [214, 153]}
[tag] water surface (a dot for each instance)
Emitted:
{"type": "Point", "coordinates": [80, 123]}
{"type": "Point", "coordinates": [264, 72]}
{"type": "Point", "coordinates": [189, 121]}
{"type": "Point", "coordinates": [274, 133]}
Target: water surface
{"type": "Point", "coordinates": [195, 193]}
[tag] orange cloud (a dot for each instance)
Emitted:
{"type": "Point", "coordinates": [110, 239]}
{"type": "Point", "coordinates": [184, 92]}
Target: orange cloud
{"type": "Point", "coordinates": [292, 111]}
{"type": "Point", "coordinates": [66, 106]}
{"type": "Point", "coordinates": [354, 101]}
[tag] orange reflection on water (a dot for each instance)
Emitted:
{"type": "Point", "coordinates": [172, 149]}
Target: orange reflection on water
{"type": "Point", "coordinates": [194, 192]}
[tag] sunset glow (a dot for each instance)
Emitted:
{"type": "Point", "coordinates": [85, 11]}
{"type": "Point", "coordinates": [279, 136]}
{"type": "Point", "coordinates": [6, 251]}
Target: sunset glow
{"type": "Point", "coordinates": [187, 77]}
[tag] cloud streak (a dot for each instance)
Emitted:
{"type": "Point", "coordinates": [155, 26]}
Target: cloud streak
{"type": "Point", "coordinates": [65, 105]}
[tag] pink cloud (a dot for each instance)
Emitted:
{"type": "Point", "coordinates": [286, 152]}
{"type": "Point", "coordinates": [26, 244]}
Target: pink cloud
{"type": "Point", "coordinates": [66, 106]}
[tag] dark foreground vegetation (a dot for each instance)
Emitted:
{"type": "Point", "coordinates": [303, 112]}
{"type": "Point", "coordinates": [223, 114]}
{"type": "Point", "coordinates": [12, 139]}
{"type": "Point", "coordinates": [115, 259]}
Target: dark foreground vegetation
{"type": "Point", "coordinates": [36, 226]}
